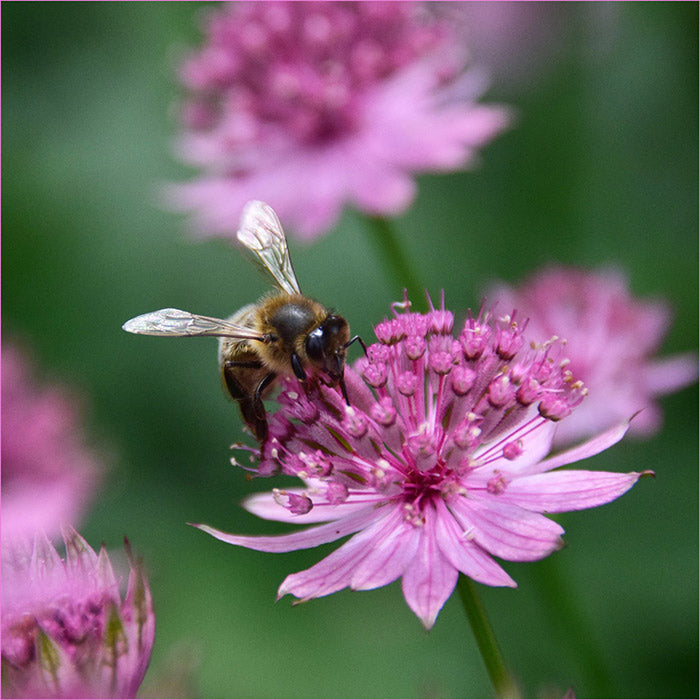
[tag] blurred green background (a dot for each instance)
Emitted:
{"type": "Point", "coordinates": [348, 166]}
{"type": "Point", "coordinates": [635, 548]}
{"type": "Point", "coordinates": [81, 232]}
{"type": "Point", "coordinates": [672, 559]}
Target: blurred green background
{"type": "Point", "coordinates": [601, 167]}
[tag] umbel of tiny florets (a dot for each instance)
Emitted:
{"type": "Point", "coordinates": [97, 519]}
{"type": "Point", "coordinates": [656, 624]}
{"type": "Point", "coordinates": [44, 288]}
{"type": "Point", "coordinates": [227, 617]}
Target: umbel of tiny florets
{"type": "Point", "coordinates": [315, 105]}
{"type": "Point", "coordinates": [438, 464]}
{"type": "Point", "coordinates": [427, 398]}
{"type": "Point", "coordinates": [67, 632]}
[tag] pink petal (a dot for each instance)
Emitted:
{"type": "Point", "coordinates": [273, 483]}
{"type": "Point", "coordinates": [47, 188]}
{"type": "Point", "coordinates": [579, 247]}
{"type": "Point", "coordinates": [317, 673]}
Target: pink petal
{"type": "Point", "coordinates": [430, 578]}
{"type": "Point", "coordinates": [313, 211]}
{"type": "Point", "coordinates": [214, 202]}
{"type": "Point", "coordinates": [562, 491]}
{"type": "Point", "coordinates": [392, 551]}
{"type": "Point", "coordinates": [465, 554]}
{"type": "Point", "coordinates": [665, 376]}
{"type": "Point", "coordinates": [265, 506]}
{"type": "Point", "coordinates": [304, 539]}
{"type": "Point", "coordinates": [337, 569]}
{"type": "Point", "coordinates": [378, 188]}
{"type": "Point", "coordinates": [587, 449]}
{"type": "Point", "coordinates": [507, 531]}
{"type": "Point", "coordinates": [535, 445]}
{"type": "Point", "coordinates": [479, 123]}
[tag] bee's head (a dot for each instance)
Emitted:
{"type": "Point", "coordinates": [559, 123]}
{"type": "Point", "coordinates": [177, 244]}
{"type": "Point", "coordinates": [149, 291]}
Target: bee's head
{"type": "Point", "coordinates": [326, 346]}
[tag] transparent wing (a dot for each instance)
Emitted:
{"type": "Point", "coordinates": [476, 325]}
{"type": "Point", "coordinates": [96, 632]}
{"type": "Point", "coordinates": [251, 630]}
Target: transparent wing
{"type": "Point", "coordinates": [261, 232]}
{"type": "Point", "coordinates": [174, 322]}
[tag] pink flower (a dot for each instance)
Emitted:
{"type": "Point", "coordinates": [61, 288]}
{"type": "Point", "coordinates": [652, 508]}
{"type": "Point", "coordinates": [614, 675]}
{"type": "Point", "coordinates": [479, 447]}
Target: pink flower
{"type": "Point", "coordinates": [520, 42]}
{"type": "Point", "coordinates": [48, 474]}
{"type": "Point", "coordinates": [438, 465]}
{"type": "Point", "coordinates": [611, 338]}
{"type": "Point", "coordinates": [311, 106]}
{"type": "Point", "coordinates": [66, 631]}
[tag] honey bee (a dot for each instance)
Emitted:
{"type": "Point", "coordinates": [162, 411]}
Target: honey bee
{"type": "Point", "coordinates": [284, 332]}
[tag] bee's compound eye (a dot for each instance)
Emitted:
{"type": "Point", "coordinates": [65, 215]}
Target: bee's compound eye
{"type": "Point", "coordinates": [315, 344]}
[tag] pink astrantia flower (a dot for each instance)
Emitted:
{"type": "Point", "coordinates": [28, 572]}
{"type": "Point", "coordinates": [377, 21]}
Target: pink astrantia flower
{"type": "Point", "coordinates": [611, 338]}
{"type": "Point", "coordinates": [312, 105]}
{"type": "Point", "coordinates": [48, 474]}
{"type": "Point", "coordinates": [438, 465]}
{"type": "Point", "coordinates": [519, 41]}
{"type": "Point", "coordinates": [66, 630]}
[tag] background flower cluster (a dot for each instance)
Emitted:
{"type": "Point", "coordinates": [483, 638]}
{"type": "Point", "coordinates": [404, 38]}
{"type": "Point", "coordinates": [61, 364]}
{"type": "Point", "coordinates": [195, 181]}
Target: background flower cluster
{"type": "Point", "coordinates": [599, 167]}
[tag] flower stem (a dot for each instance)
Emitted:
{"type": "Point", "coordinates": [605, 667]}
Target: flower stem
{"type": "Point", "coordinates": [570, 621]}
{"type": "Point", "coordinates": [386, 243]}
{"type": "Point", "coordinates": [502, 681]}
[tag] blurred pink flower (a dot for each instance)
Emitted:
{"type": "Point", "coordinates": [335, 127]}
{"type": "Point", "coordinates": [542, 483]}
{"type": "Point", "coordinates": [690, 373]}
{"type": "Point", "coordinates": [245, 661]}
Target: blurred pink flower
{"type": "Point", "coordinates": [611, 338]}
{"type": "Point", "coordinates": [314, 105]}
{"type": "Point", "coordinates": [66, 632]}
{"type": "Point", "coordinates": [520, 42]}
{"type": "Point", "coordinates": [438, 465]}
{"type": "Point", "coordinates": [48, 474]}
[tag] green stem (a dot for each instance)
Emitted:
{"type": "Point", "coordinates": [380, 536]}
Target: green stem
{"type": "Point", "coordinates": [570, 622]}
{"type": "Point", "coordinates": [502, 681]}
{"type": "Point", "coordinates": [386, 244]}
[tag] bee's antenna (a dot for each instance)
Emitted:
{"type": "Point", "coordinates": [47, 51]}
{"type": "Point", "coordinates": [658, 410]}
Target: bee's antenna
{"type": "Point", "coordinates": [359, 340]}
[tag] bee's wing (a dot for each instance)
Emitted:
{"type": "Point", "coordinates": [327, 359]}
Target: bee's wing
{"type": "Point", "coordinates": [174, 322]}
{"type": "Point", "coordinates": [261, 232]}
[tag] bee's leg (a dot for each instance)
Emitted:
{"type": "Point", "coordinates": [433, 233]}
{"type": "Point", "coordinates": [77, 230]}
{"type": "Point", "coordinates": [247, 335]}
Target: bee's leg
{"type": "Point", "coordinates": [235, 388]}
{"type": "Point", "coordinates": [252, 408]}
{"type": "Point", "coordinates": [257, 397]}
{"type": "Point", "coordinates": [258, 425]}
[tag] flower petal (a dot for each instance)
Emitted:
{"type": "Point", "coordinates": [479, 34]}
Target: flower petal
{"type": "Point", "coordinates": [303, 539]}
{"type": "Point", "coordinates": [587, 449]}
{"type": "Point", "coordinates": [265, 506]}
{"type": "Point", "coordinates": [466, 555]}
{"type": "Point", "coordinates": [337, 569]}
{"type": "Point", "coordinates": [430, 578]}
{"type": "Point", "coordinates": [505, 530]}
{"type": "Point", "coordinates": [380, 188]}
{"type": "Point", "coordinates": [392, 551]}
{"type": "Point", "coordinates": [665, 376]}
{"type": "Point", "coordinates": [573, 489]}
{"type": "Point", "coordinates": [535, 443]}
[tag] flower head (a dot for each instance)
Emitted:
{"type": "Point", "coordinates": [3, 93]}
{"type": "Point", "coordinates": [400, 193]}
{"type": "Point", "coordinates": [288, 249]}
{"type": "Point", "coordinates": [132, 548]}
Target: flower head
{"type": "Point", "coordinates": [438, 464]}
{"type": "Point", "coordinates": [66, 631]}
{"type": "Point", "coordinates": [310, 106]}
{"type": "Point", "coordinates": [48, 474]}
{"type": "Point", "coordinates": [611, 338]}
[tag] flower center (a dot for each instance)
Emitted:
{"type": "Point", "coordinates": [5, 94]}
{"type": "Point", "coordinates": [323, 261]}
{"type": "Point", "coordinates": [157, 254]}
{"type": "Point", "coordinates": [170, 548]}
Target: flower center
{"type": "Point", "coordinates": [421, 488]}
{"type": "Point", "coordinates": [300, 70]}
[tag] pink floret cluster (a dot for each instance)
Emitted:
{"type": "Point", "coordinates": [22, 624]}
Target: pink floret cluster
{"type": "Point", "coordinates": [67, 631]}
{"type": "Point", "coordinates": [313, 106]}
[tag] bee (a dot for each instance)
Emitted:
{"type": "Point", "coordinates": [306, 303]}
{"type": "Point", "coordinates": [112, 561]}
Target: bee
{"type": "Point", "coordinates": [283, 333]}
